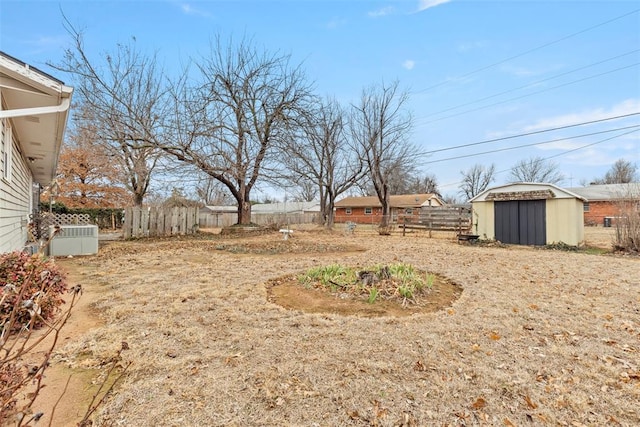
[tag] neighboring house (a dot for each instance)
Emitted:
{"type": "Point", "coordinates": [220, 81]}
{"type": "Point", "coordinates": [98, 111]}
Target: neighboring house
{"type": "Point", "coordinates": [368, 210]}
{"type": "Point", "coordinates": [261, 213]}
{"type": "Point", "coordinates": [217, 216]}
{"type": "Point", "coordinates": [33, 114]}
{"type": "Point", "coordinates": [529, 214]}
{"type": "Point", "coordinates": [603, 202]}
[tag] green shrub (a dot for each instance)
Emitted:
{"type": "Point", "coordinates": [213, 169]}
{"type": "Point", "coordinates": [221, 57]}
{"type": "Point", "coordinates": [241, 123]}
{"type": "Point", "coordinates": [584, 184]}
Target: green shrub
{"type": "Point", "coordinates": [31, 288]}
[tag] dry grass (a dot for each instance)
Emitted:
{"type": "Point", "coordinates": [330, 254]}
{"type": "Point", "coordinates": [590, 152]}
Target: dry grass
{"type": "Point", "coordinates": [537, 337]}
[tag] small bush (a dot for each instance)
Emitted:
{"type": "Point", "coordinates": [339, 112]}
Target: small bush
{"type": "Point", "coordinates": [31, 288]}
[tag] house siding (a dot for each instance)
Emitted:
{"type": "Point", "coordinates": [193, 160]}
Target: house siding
{"type": "Point", "coordinates": [358, 216]}
{"type": "Point", "coordinates": [599, 210]}
{"type": "Point", "coordinates": [15, 201]}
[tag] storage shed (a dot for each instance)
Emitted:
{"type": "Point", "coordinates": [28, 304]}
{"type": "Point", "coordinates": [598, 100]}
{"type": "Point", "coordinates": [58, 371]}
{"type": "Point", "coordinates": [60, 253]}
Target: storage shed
{"type": "Point", "coordinates": [529, 214]}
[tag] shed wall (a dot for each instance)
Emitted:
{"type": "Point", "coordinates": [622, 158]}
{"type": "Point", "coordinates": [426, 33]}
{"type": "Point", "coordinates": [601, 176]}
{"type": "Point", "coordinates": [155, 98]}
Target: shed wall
{"type": "Point", "coordinates": [483, 219]}
{"type": "Point", "coordinates": [565, 221]}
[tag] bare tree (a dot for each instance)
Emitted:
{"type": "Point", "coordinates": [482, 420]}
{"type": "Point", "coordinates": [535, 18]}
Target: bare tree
{"type": "Point", "coordinates": [476, 179]}
{"type": "Point", "coordinates": [122, 100]}
{"type": "Point", "coordinates": [536, 169]}
{"type": "Point", "coordinates": [403, 181]}
{"type": "Point", "coordinates": [379, 127]}
{"type": "Point", "coordinates": [305, 191]}
{"type": "Point", "coordinates": [321, 155]}
{"type": "Point", "coordinates": [228, 124]}
{"type": "Point", "coordinates": [417, 184]}
{"type": "Point", "coordinates": [211, 192]}
{"type": "Point", "coordinates": [622, 172]}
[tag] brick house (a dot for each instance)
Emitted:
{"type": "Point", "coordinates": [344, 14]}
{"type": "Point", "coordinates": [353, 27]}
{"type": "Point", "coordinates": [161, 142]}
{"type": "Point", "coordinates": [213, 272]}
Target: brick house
{"type": "Point", "coordinates": [368, 210]}
{"type": "Point", "coordinates": [604, 202]}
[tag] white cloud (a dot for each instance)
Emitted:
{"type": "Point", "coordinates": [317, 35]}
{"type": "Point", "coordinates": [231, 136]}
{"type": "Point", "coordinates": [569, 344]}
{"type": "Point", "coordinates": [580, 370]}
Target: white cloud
{"type": "Point", "coordinates": [190, 10]}
{"type": "Point", "coordinates": [336, 22]}
{"type": "Point", "coordinates": [426, 4]}
{"type": "Point", "coordinates": [468, 46]}
{"type": "Point", "coordinates": [625, 107]}
{"type": "Point", "coordinates": [381, 12]}
{"type": "Point", "coordinates": [409, 64]}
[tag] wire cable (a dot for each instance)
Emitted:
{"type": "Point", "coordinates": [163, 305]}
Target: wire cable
{"type": "Point", "coordinates": [488, 141]}
{"type": "Point", "coordinates": [527, 95]}
{"type": "Point", "coordinates": [555, 155]}
{"type": "Point", "coordinates": [486, 67]}
{"type": "Point", "coordinates": [529, 145]}
{"type": "Point", "coordinates": [535, 83]}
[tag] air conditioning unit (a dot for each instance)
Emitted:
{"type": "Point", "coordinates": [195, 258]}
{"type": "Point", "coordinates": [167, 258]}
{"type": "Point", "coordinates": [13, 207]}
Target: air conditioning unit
{"type": "Point", "coordinates": [74, 240]}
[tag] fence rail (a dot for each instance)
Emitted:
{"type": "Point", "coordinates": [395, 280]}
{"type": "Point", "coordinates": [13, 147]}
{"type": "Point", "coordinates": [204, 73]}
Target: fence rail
{"type": "Point", "coordinates": [155, 222]}
{"type": "Point", "coordinates": [443, 218]}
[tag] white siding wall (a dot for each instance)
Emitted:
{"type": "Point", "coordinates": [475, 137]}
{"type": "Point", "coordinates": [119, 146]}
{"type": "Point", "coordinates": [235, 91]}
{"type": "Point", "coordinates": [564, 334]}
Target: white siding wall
{"type": "Point", "coordinates": [15, 199]}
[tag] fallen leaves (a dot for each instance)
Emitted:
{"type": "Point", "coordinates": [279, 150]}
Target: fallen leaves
{"type": "Point", "coordinates": [530, 403]}
{"type": "Point", "coordinates": [494, 336]}
{"type": "Point", "coordinates": [479, 403]}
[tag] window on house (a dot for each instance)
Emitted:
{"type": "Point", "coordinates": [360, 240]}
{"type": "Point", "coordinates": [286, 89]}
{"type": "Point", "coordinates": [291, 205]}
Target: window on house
{"type": "Point", "coordinates": [347, 211]}
{"type": "Point", "coordinates": [5, 154]}
{"type": "Point", "coordinates": [585, 206]}
{"type": "Point", "coordinates": [408, 211]}
{"type": "Point", "coordinates": [368, 211]}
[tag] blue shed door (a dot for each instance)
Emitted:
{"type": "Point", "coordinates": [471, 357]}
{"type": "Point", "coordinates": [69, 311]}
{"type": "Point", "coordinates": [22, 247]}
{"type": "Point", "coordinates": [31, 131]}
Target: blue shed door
{"type": "Point", "coordinates": [521, 222]}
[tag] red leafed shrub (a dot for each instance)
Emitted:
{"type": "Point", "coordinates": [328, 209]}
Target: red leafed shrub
{"type": "Point", "coordinates": [31, 288]}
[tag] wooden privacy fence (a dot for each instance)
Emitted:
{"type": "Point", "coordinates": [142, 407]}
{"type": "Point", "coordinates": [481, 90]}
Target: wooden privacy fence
{"type": "Point", "coordinates": [153, 222]}
{"type": "Point", "coordinates": [445, 218]}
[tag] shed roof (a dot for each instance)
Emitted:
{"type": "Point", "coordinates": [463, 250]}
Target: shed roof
{"type": "Point", "coordinates": [608, 191]}
{"type": "Point", "coordinates": [521, 187]}
{"type": "Point", "coordinates": [396, 201]}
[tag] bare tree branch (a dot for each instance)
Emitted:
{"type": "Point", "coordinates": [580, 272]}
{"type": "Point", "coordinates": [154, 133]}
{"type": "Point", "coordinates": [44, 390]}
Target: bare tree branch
{"type": "Point", "coordinates": [536, 169]}
{"type": "Point", "coordinates": [228, 123]}
{"type": "Point", "coordinates": [476, 179]}
{"type": "Point", "coordinates": [379, 128]}
{"type": "Point", "coordinates": [123, 102]}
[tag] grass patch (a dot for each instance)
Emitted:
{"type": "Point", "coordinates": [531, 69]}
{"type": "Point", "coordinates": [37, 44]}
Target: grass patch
{"type": "Point", "coordinates": [395, 281]}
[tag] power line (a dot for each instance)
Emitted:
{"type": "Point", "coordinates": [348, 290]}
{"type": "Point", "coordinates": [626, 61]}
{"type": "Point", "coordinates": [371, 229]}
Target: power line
{"type": "Point", "coordinates": [537, 82]}
{"type": "Point", "coordinates": [558, 155]}
{"type": "Point", "coordinates": [529, 145]}
{"type": "Point", "coordinates": [486, 67]}
{"type": "Point", "coordinates": [488, 141]}
{"type": "Point", "coordinates": [529, 94]}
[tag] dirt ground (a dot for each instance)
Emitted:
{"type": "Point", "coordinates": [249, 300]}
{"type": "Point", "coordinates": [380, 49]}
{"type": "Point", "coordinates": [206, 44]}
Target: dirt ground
{"type": "Point", "coordinates": [537, 337]}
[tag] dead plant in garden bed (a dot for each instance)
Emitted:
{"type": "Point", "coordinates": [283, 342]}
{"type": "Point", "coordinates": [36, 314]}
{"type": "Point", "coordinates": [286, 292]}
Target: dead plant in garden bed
{"type": "Point", "coordinates": [31, 288]}
{"type": "Point", "coordinates": [31, 320]}
{"type": "Point", "coordinates": [396, 282]}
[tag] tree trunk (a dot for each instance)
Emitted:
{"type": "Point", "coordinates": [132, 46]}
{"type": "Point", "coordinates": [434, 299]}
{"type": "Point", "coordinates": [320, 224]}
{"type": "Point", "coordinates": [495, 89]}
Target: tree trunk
{"type": "Point", "coordinates": [385, 222]}
{"type": "Point", "coordinates": [137, 200]}
{"type": "Point", "coordinates": [244, 210]}
{"type": "Point", "coordinates": [330, 215]}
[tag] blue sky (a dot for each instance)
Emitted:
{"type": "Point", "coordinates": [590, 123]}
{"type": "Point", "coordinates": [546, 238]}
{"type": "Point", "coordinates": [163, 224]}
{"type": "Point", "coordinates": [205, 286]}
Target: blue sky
{"type": "Point", "coordinates": [476, 70]}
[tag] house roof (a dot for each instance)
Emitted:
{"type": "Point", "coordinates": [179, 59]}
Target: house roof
{"type": "Point", "coordinates": [287, 207]}
{"type": "Point", "coordinates": [396, 201]}
{"type": "Point", "coordinates": [272, 208]}
{"type": "Point", "coordinates": [608, 191]}
{"type": "Point", "coordinates": [518, 187]}
{"type": "Point", "coordinates": [38, 107]}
